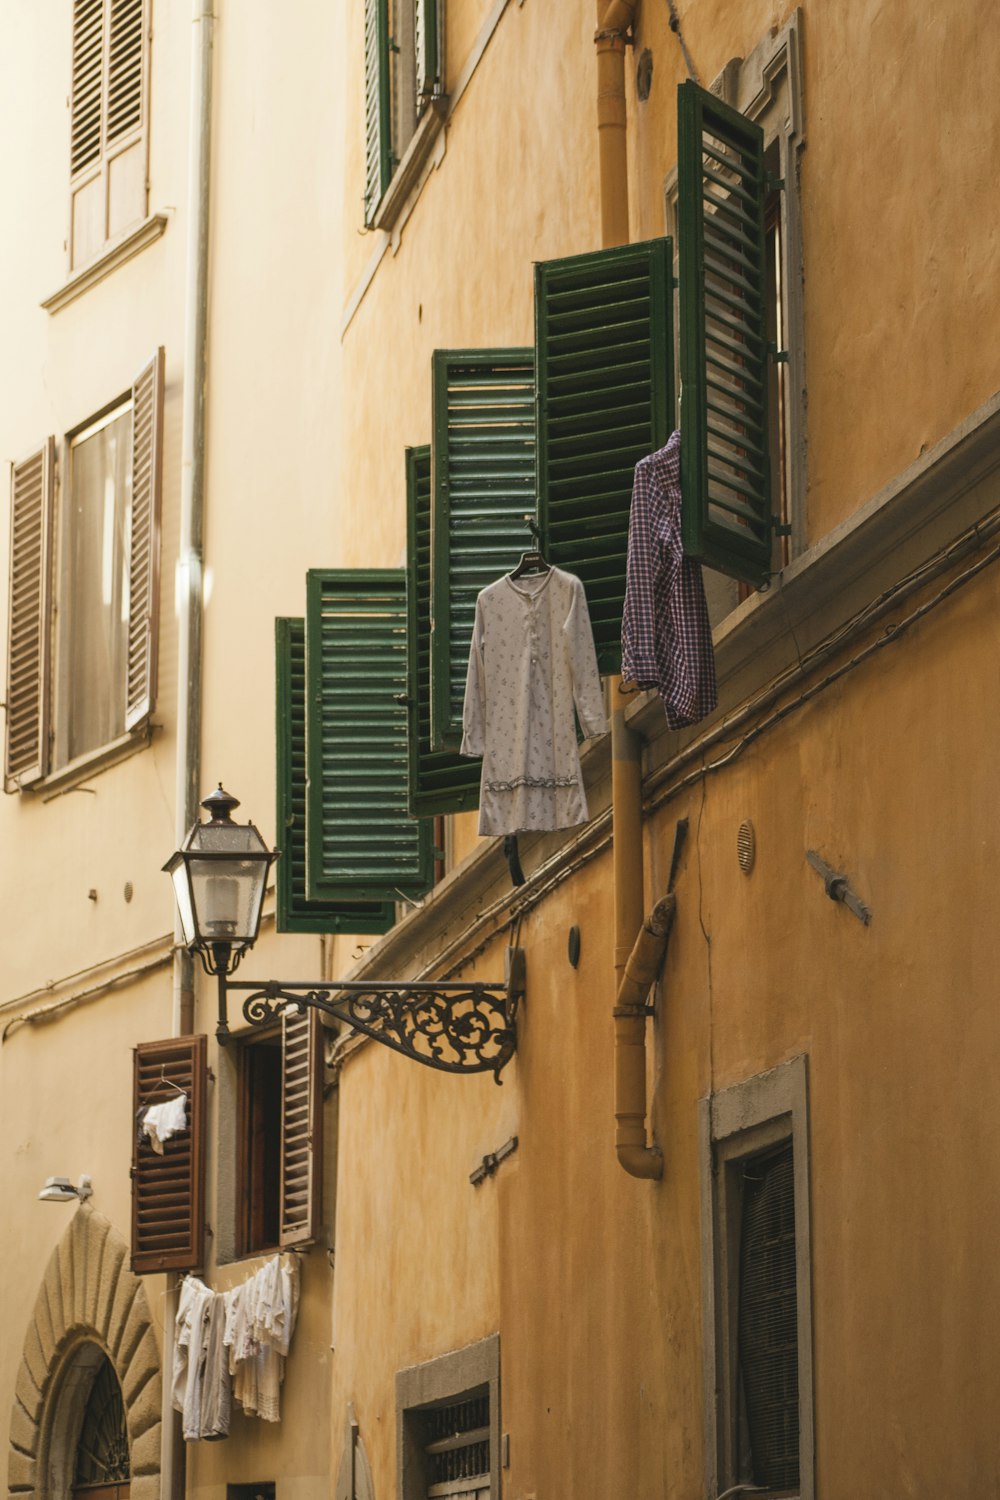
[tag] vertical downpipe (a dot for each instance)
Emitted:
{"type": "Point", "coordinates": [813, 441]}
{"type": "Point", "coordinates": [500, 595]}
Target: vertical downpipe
{"type": "Point", "coordinates": [190, 606]}
{"type": "Point", "coordinates": [613, 20]}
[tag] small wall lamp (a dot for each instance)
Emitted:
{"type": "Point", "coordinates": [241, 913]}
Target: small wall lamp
{"type": "Point", "coordinates": [61, 1190]}
{"type": "Point", "coordinates": [219, 876]}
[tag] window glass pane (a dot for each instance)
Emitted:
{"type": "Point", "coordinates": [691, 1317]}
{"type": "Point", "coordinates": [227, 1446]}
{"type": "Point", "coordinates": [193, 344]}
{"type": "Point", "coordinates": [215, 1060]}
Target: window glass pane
{"type": "Point", "coordinates": [92, 600]}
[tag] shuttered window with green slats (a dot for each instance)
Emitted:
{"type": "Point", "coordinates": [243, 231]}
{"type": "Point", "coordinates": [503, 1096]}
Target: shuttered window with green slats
{"type": "Point", "coordinates": [295, 912]}
{"type": "Point", "coordinates": [484, 486]}
{"type": "Point", "coordinates": [604, 354]}
{"type": "Point", "coordinates": [402, 77]}
{"type": "Point", "coordinates": [725, 478]}
{"type": "Point", "coordinates": [441, 781]}
{"type": "Point", "coordinates": [361, 842]}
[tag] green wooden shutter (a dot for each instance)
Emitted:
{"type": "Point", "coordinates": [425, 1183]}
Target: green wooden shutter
{"type": "Point", "coordinates": [725, 477]}
{"type": "Point", "coordinates": [604, 353]}
{"type": "Point", "coordinates": [440, 780]}
{"type": "Point", "coordinates": [484, 486]}
{"type": "Point", "coordinates": [378, 143]}
{"type": "Point", "coordinates": [295, 912]}
{"type": "Point", "coordinates": [425, 22]}
{"type": "Point", "coordinates": [360, 840]}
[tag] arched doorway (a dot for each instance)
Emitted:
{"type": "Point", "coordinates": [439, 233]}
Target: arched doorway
{"type": "Point", "coordinates": [90, 1312]}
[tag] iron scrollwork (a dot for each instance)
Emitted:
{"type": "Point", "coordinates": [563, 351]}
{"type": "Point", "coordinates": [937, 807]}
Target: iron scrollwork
{"type": "Point", "coordinates": [455, 1027]}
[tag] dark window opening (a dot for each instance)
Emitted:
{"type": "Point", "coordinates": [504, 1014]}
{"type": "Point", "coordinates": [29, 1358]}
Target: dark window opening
{"type": "Point", "coordinates": [768, 1324]}
{"type": "Point", "coordinates": [258, 1178]}
{"type": "Point", "coordinates": [451, 1441]}
{"type": "Point", "coordinates": [102, 1453]}
{"type": "Point", "coordinates": [264, 1490]}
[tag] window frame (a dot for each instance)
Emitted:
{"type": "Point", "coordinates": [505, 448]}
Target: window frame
{"type": "Point", "coordinates": [405, 64]}
{"type": "Point", "coordinates": [440, 1382]}
{"type": "Point", "coordinates": [64, 630]}
{"type": "Point", "coordinates": [735, 1124]}
{"type": "Point", "coordinates": [100, 167]}
{"type": "Point", "coordinates": [33, 584]}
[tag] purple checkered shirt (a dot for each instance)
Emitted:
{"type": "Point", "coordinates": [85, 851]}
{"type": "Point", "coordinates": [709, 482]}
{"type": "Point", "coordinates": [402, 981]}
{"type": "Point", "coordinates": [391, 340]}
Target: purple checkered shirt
{"type": "Point", "coordinates": [666, 636]}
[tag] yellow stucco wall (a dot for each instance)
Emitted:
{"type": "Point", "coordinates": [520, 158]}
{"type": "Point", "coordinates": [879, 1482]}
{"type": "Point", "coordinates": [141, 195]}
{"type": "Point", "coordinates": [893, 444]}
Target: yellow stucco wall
{"type": "Point", "coordinates": [594, 1280]}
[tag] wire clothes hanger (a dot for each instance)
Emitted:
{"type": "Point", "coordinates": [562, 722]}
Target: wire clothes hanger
{"type": "Point", "coordinates": [533, 560]}
{"type": "Point", "coordinates": [169, 1082]}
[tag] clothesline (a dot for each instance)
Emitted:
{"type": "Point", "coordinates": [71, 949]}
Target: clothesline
{"type": "Point", "coordinates": [231, 1346]}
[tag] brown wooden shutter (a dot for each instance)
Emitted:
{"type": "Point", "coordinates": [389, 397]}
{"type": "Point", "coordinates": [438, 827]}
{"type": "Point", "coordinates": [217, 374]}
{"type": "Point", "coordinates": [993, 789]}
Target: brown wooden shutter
{"type": "Point", "coordinates": [144, 542]}
{"type": "Point", "coordinates": [301, 1128]}
{"type": "Point", "coordinates": [27, 746]}
{"type": "Point", "coordinates": [88, 84]}
{"type": "Point", "coordinates": [124, 68]}
{"type": "Point", "coordinates": [168, 1191]}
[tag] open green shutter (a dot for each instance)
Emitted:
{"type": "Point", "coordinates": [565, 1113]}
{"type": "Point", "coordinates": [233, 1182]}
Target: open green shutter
{"type": "Point", "coordinates": [484, 486]}
{"type": "Point", "coordinates": [361, 842]}
{"type": "Point", "coordinates": [378, 142]}
{"type": "Point", "coordinates": [296, 913]}
{"type": "Point", "coordinates": [425, 23]}
{"type": "Point", "coordinates": [604, 355]}
{"type": "Point", "coordinates": [440, 780]}
{"type": "Point", "coordinates": [725, 478]}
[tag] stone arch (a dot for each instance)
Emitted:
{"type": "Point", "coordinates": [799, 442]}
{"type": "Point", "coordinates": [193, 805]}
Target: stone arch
{"type": "Point", "coordinates": [88, 1297]}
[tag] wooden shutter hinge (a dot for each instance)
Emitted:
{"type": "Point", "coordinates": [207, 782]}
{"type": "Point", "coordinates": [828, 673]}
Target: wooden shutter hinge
{"type": "Point", "coordinates": [779, 527]}
{"type": "Point", "coordinates": [778, 356]}
{"type": "Point", "coordinates": [774, 184]}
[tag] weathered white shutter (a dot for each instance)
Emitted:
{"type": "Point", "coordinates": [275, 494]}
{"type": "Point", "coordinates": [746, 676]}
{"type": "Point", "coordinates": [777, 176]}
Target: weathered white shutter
{"type": "Point", "coordinates": [301, 1128]}
{"type": "Point", "coordinates": [27, 742]}
{"type": "Point", "coordinates": [144, 541]}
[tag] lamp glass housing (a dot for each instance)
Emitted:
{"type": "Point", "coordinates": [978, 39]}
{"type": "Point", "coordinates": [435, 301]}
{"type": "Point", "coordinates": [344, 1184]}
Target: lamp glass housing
{"type": "Point", "coordinates": [219, 879]}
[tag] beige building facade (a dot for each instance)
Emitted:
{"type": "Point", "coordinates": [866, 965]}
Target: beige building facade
{"type": "Point", "coordinates": [349, 296]}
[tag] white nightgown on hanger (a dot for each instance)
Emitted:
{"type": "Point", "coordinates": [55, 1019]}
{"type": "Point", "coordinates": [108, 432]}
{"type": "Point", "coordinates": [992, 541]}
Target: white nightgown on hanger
{"type": "Point", "coordinates": [532, 660]}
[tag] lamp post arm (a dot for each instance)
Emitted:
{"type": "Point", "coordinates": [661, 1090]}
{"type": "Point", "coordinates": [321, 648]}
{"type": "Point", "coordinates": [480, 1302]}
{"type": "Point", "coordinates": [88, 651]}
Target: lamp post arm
{"type": "Point", "coordinates": [452, 1026]}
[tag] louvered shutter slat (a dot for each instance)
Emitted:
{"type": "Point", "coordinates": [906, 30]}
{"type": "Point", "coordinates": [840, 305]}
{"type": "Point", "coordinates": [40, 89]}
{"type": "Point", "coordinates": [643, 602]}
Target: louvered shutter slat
{"type": "Point", "coordinates": [360, 840]}
{"type": "Point", "coordinates": [125, 68]}
{"type": "Point", "coordinates": [144, 541]}
{"type": "Point", "coordinates": [87, 84]}
{"type": "Point", "coordinates": [440, 781]}
{"type": "Point", "coordinates": [725, 479]}
{"type": "Point", "coordinates": [377, 118]}
{"type": "Point", "coordinates": [168, 1194]}
{"type": "Point", "coordinates": [27, 739]}
{"type": "Point", "coordinates": [604, 352]}
{"type": "Point", "coordinates": [295, 912]}
{"type": "Point", "coordinates": [301, 1128]}
{"type": "Point", "coordinates": [483, 487]}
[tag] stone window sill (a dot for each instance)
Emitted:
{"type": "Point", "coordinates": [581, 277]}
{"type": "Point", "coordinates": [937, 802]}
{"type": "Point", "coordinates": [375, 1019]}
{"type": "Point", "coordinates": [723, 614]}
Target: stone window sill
{"type": "Point", "coordinates": [109, 260]}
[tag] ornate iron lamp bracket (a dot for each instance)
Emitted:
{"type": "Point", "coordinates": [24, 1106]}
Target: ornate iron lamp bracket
{"type": "Point", "coordinates": [454, 1026]}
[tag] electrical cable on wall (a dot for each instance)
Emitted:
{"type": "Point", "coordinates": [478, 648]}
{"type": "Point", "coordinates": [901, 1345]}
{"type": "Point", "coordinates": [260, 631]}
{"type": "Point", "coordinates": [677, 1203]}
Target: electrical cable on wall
{"type": "Point", "coordinates": [675, 27]}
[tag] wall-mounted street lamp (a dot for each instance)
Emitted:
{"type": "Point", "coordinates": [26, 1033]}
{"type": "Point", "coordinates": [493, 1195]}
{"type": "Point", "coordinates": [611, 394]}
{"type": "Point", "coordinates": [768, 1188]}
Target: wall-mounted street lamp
{"type": "Point", "coordinates": [219, 875]}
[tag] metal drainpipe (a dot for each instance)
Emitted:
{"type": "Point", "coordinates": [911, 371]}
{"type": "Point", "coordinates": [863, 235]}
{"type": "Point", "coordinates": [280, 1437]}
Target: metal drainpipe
{"type": "Point", "coordinates": [190, 606]}
{"type": "Point", "coordinates": [641, 1160]}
